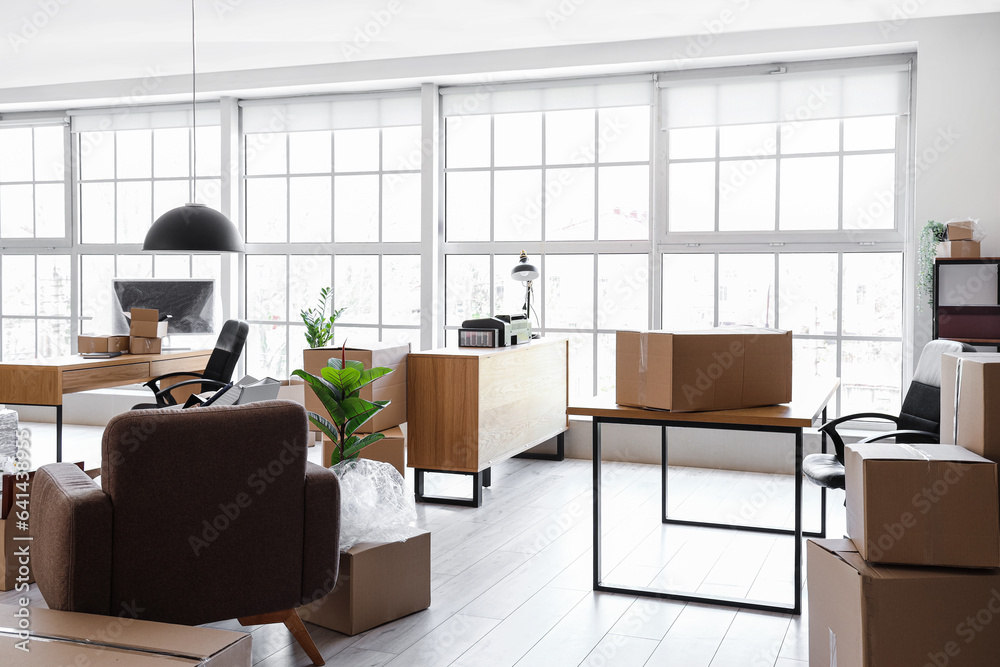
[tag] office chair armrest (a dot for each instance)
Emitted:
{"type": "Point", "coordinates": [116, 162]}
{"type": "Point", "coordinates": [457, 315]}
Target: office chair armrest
{"type": "Point", "coordinates": [830, 428]}
{"type": "Point", "coordinates": [71, 531]}
{"type": "Point", "coordinates": [321, 541]}
{"type": "Point", "coordinates": [163, 397]}
{"type": "Point", "coordinates": [926, 437]}
{"type": "Point", "coordinates": [154, 384]}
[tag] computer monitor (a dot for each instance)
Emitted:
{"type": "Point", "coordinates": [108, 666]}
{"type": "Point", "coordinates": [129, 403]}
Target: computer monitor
{"type": "Point", "coordinates": [190, 303]}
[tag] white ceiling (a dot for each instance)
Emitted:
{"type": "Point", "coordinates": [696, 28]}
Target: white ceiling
{"type": "Point", "coordinates": [101, 40]}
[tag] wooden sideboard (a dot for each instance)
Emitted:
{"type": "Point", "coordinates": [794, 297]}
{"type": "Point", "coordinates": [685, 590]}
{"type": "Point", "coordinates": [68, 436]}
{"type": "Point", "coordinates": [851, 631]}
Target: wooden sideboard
{"type": "Point", "coordinates": [470, 408]}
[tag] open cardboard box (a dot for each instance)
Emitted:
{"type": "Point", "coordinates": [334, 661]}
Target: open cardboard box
{"type": "Point", "coordinates": [145, 323]}
{"type": "Point", "coordinates": [69, 638]}
{"type": "Point", "coordinates": [378, 582]}
{"type": "Point", "coordinates": [922, 505]}
{"type": "Point", "coordinates": [865, 615]}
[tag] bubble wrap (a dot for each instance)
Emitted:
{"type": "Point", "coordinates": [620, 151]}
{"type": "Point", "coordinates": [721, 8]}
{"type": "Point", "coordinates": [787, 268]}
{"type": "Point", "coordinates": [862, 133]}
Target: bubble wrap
{"type": "Point", "coordinates": [8, 440]}
{"type": "Point", "coordinates": [374, 503]}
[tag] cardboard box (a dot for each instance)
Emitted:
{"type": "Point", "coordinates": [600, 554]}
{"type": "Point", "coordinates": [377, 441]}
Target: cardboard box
{"type": "Point", "coordinates": [970, 392]}
{"type": "Point", "coordinates": [145, 324]}
{"type": "Point", "coordinates": [717, 369]}
{"type": "Point", "coordinates": [864, 615]}
{"type": "Point", "coordinates": [960, 230]}
{"type": "Point", "coordinates": [69, 638]}
{"type": "Point", "coordinates": [922, 505]}
{"type": "Point", "coordinates": [958, 249]}
{"type": "Point", "coordinates": [141, 345]}
{"type": "Point", "coordinates": [102, 344]}
{"type": "Point", "coordinates": [391, 387]}
{"type": "Point", "coordinates": [391, 449]}
{"type": "Point", "coordinates": [378, 582]}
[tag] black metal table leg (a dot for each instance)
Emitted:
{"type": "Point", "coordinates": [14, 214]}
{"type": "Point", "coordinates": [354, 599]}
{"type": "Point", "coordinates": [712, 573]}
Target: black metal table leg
{"type": "Point", "coordinates": [479, 480]}
{"type": "Point", "coordinates": [597, 503]}
{"type": "Point", "coordinates": [558, 456]}
{"type": "Point", "coordinates": [58, 433]}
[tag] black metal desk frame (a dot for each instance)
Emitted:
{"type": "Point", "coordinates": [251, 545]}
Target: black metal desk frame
{"type": "Point", "coordinates": [797, 532]}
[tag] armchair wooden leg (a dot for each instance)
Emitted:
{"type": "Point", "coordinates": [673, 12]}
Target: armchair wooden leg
{"type": "Point", "coordinates": [290, 618]}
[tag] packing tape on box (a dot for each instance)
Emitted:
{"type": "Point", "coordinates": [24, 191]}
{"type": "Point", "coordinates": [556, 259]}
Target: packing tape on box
{"type": "Point", "coordinates": [643, 352]}
{"type": "Point", "coordinates": [913, 451]}
{"type": "Point", "coordinates": [958, 395]}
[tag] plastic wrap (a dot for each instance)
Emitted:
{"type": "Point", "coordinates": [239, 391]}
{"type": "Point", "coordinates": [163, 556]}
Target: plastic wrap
{"type": "Point", "coordinates": [8, 440]}
{"type": "Point", "coordinates": [374, 503]}
{"type": "Point", "coordinates": [970, 227]}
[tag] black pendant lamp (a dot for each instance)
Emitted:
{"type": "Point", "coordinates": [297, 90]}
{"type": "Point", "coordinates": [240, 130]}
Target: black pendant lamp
{"type": "Point", "coordinates": [193, 227]}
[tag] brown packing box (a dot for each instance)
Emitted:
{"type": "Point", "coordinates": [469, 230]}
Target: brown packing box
{"type": "Point", "coordinates": [391, 449]}
{"type": "Point", "coordinates": [391, 387]}
{"type": "Point", "coordinates": [922, 505]}
{"type": "Point", "coordinates": [102, 344]}
{"type": "Point", "coordinates": [864, 615]}
{"type": "Point", "coordinates": [958, 249]}
{"type": "Point", "coordinates": [378, 582]}
{"type": "Point", "coordinates": [142, 345]}
{"type": "Point", "coordinates": [976, 397]}
{"type": "Point", "coordinates": [717, 369]}
{"type": "Point", "coordinates": [145, 323]}
{"type": "Point", "coordinates": [69, 638]}
{"type": "Point", "coordinates": [960, 230]}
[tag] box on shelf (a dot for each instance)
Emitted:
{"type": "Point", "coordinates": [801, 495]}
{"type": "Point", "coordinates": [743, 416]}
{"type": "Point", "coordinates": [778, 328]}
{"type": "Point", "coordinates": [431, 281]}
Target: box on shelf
{"type": "Point", "coordinates": [960, 230]}
{"type": "Point", "coordinates": [142, 345]}
{"type": "Point", "coordinates": [390, 449]}
{"type": "Point", "coordinates": [922, 505]}
{"type": "Point", "coordinates": [102, 344]}
{"type": "Point", "coordinates": [970, 391]}
{"type": "Point", "coordinates": [146, 323]}
{"type": "Point", "coordinates": [865, 615]}
{"type": "Point", "coordinates": [378, 582]}
{"type": "Point", "coordinates": [716, 369]}
{"type": "Point", "coordinates": [958, 249]}
{"type": "Point", "coordinates": [70, 638]}
{"type": "Point", "coordinates": [391, 387]}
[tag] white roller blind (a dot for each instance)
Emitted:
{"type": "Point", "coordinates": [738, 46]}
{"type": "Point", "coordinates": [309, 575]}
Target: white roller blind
{"type": "Point", "coordinates": [341, 113]}
{"type": "Point", "coordinates": [546, 96]}
{"type": "Point", "coordinates": [766, 98]}
{"type": "Point", "coordinates": [141, 118]}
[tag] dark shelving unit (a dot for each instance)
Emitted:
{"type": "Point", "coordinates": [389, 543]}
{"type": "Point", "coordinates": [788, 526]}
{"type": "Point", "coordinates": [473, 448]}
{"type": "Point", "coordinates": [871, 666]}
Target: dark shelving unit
{"type": "Point", "coordinates": [974, 324]}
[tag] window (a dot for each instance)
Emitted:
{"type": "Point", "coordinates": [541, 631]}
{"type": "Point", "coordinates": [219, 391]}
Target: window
{"type": "Point", "coordinates": [333, 199]}
{"type": "Point", "coordinates": [563, 173]}
{"type": "Point", "coordinates": [32, 189]}
{"type": "Point", "coordinates": [788, 211]}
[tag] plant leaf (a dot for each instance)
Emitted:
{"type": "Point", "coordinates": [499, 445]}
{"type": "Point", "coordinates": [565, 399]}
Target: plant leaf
{"type": "Point", "coordinates": [329, 395]}
{"type": "Point", "coordinates": [358, 411]}
{"type": "Point", "coordinates": [355, 447]}
{"type": "Point", "coordinates": [341, 378]}
{"type": "Point", "coordinates": [328, 429]}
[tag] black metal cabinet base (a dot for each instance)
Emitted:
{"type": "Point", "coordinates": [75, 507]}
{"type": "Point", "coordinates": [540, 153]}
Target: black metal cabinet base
{"type": "Point", "coordinates": [479, 480]}
{"type": "Point", "coordinates": [558, 456]}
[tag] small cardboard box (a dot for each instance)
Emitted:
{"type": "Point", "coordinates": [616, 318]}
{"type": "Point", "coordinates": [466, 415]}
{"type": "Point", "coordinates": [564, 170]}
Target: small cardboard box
{"type": "Point", "coordinates": [378, 582]}
{"type": "Point", "coordinates": [717, 369]}
{"type": "Point", "coordinates": [960, 230]}
{"type": "Point", "coordinates": [391, 449]}
{"type": "Point", "coordinates": [864, 615]}
{"type": "Point", "coordinates": [391, 387]}
{"type": "Point", "coordinates": [958, 249]}
{"type": "Point", "coordinates": [70, 638]}
{"type": "Point", "coordinates": [141, 345]}
{"type": "Point", "coordinates": [922, 505]}
{"type": "Point", "coordinates": [102, 344]}
{"type": "Point", "coordinates": [970, 392]}
{"type": "Point", "coordinates": [146, 324]}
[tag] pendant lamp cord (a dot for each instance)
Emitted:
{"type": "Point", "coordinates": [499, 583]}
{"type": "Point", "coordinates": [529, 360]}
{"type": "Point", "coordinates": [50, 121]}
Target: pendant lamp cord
{"type": "Point", "coordinates": [194, 113]}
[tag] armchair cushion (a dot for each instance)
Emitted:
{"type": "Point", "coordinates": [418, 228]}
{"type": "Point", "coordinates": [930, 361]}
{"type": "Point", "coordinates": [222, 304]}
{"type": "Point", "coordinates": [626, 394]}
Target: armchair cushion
{"type": "Point", "coordinates": [71, 520]}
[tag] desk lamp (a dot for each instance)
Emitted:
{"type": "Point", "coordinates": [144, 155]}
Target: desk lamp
{"type": "Point", "coordinates": [525, 272]}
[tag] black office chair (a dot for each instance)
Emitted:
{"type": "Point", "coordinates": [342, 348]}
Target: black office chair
{"type": "Point", "coordinates": [218, 371]}
{"type": "Point", "coordinates": [919, 420]}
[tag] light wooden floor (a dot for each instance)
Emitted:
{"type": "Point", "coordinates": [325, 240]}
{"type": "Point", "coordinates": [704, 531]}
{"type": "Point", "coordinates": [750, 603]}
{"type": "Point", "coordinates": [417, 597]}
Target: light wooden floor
{"type": "Point", "coordinates": [511, 581]}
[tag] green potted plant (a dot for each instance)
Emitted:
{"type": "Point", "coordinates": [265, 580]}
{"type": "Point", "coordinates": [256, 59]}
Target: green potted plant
{"type": "Point", "coordinates": [932, 234]}
{"type": "Point", "coordinates": [339, 389]}
{"type": "Point", "coordinates": [319, 326]}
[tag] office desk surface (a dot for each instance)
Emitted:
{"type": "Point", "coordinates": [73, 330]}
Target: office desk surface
{"type": "Point", "coordinates": [44, 381]}
{"type": "Point", "coordinates": [805, 410]}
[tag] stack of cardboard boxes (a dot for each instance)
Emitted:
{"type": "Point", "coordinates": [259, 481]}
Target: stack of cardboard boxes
{"type": "Point", "coordinates": [378, 581]}
{"type": "Point", "coordinates": [146, 333]}
{"type": "Point", "coordinates": [961, 240]}
{"type": "Point", "coordinates": [918, 582]}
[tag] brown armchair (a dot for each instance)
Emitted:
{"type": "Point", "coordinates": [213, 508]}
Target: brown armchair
{"type": "Point", "coordinates": [202, 515]}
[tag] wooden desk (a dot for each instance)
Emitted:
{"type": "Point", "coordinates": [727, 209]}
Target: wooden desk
{"type": "Point", "coordinates": [808, 408]}
{"type": "Point", "coordinates": [470, 408]}
{"type": "Point", "coordinates": [44, 381]}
